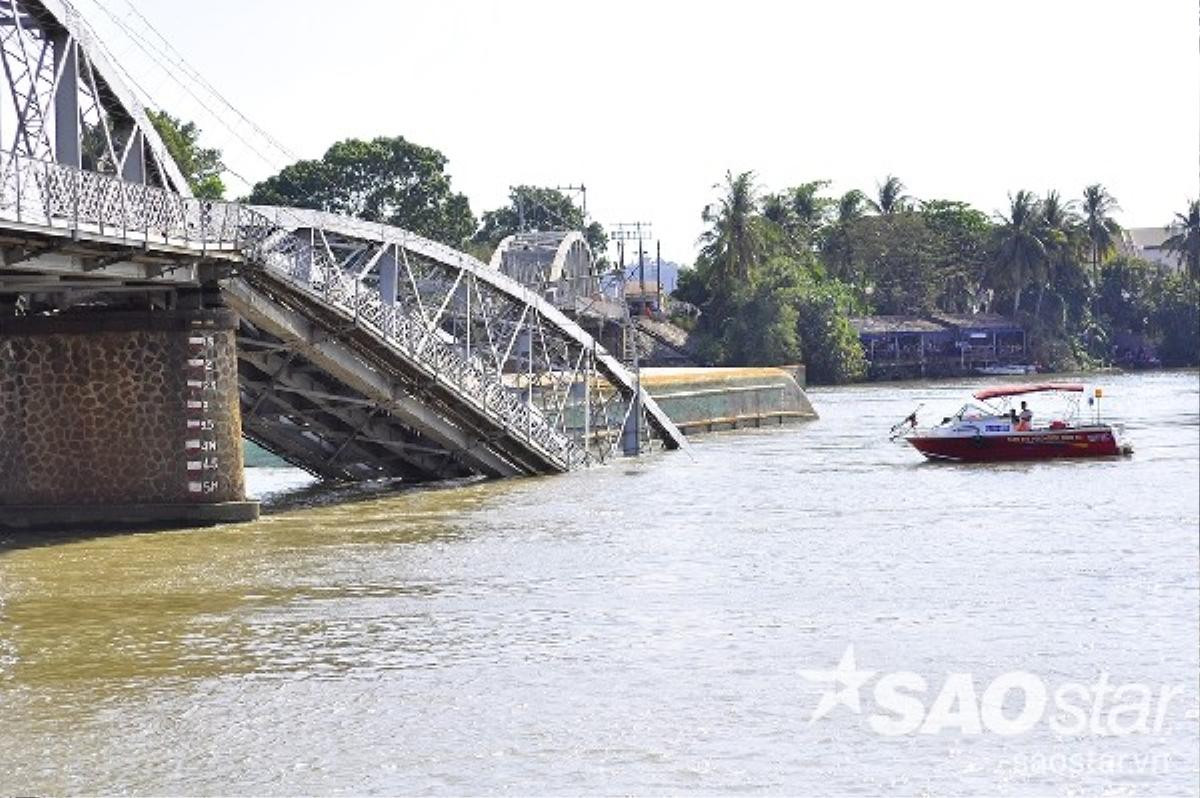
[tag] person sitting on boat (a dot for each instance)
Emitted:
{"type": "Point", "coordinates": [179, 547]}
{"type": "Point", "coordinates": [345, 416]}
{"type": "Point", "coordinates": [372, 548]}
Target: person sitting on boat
{"type": "Point", "coordinates": [1025, 422]}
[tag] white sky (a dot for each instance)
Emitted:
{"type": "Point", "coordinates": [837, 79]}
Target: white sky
{"type": "Point", "coordinates": [649, 103]}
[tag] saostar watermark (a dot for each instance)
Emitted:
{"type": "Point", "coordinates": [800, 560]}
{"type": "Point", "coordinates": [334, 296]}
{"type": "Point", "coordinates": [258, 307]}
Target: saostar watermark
{"type": "Point", "coordinates": [1012, 703]}
{"type": "Point", "coordinates": [1088, 762]}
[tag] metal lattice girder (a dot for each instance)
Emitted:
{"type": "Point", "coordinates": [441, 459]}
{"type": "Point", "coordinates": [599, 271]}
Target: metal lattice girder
{"type": "Point", "coordinates": [341, 354]}
{"type": "Point", "coordinates": [355, 438]}
{"type": "Point", "coordinates": [489, 330]}
{"type": "Point", "coordinates": [68, 105]}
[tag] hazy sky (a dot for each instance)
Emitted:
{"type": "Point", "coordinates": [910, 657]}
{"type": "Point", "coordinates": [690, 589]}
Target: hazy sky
{"type": "Point", "coordinates": [649, 103]}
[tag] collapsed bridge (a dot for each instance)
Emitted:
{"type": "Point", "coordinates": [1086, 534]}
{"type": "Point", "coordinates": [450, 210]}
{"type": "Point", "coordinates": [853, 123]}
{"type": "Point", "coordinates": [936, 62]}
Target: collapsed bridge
{"type": "Point", "coordinates": [144, 331]}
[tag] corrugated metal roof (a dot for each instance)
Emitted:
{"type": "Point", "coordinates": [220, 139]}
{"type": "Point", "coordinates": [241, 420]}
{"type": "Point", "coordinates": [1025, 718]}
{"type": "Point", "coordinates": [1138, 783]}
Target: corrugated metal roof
{"type": "Point", "coordinates": [883, 325]}
{"type": "Point", "coordinates": [977, 321]}
{"type": "Point", "coordinates": [1147, 237]}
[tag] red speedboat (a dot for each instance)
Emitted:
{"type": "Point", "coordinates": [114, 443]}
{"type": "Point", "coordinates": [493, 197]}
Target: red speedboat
{"type": "Point", "coordinates": [993, 431]}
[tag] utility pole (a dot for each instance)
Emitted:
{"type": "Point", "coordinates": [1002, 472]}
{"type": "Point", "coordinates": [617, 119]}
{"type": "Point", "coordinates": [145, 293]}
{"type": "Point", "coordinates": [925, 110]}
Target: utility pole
{"type": "Point", "coordinates": [631, 231]}
{"type": "Point", "coordinates": [641, 272]}
{"type": "Point", "coordinates": [622, 232]}
{"type": "Point", "coordinates": [658, 274]}
{"type": "Point", "coordinates": [582, 190]}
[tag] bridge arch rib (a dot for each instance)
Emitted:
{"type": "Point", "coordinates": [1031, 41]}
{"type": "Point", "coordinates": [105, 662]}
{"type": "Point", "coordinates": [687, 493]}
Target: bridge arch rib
{"type": "Point", "coordinates": [557, 256]}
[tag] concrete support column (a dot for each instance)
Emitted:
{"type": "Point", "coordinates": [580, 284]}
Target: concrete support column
{"type": "Point", "coordinates": [118, 418]}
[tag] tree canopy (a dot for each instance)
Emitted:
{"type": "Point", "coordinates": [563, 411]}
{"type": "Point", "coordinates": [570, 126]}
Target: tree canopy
{"type": "Point", "coordinates": [1185, 238]}
{"type": "Point", "coordinates": [778, 273]}
{"type": "Point", "coordinates": [1101, 228]}
{"type": "Point", "coordinates": [537, 208]}
{"type": "Point", "coordinates": [764, 300]}
{"type": "Point", "coordinates": [201, 166]}
{"type": "Point", "coordinates": [388, 180]}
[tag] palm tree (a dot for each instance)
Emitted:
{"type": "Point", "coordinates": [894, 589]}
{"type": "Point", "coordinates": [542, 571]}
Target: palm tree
{"type": "Point", "coordinates": [734, 240]}
{"type": "Point", "coordinates": [1099, 226]}
{"type": "Point", "coordinates": [892, 198]}
{"type": "Point", "coordinates": [810, 209]}
{"type": "Point", "coordinates": [1059, 233]}
{"type": "Point", "coordinates": [1186, 239]}
{"type": "Point", "coordinates": [852, 205]}
{"type": "Point", "coordinates": [1021, 252]}
{"type": "Point", "coordinates": [837, 249]}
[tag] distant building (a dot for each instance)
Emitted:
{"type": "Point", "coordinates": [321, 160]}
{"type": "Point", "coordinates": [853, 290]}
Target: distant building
{"type": "Point", "coordinates": [903, 339]}
{"type": "Point", "coordinates": [1147, 243]}
{"type": "Point", "coordinates": [644, 299]}
{"type": "Point", "coordinates": [941, 343]}
{"type": "Point", "coordinates": [985, 339]}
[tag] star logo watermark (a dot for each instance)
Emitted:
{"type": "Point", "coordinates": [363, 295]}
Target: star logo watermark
{"type": "Point", "coordinates": [1010, 703]}
{"type": "Point", "coordinates": [850, 679]}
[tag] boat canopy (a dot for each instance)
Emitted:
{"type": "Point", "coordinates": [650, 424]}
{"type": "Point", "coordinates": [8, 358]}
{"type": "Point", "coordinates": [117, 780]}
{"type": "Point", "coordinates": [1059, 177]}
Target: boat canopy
{"type": "Point", "coordinates": [1031, 387]}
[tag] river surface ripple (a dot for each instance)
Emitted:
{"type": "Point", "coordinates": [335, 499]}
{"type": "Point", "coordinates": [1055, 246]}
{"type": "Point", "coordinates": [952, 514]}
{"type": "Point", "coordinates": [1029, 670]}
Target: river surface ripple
{"type": "Point", "coordinates": [640, 628]}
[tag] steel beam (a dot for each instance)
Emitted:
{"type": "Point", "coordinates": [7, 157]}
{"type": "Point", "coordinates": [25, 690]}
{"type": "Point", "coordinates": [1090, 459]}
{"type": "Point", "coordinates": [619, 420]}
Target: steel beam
{"type": "Point", "coordinates": [339, 360]}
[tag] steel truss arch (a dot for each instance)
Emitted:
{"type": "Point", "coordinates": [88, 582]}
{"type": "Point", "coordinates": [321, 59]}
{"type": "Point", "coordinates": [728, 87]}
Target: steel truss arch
{"type": "Point", "coordinates": [521, 358]}
{"type": "Point", "coordinates": [572, 249]}
{"type": "Point", "coordinates": [67, 104]}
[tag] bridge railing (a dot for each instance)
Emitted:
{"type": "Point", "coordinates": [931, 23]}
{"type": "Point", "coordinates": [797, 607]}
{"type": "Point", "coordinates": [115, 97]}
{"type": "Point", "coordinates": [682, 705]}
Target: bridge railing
{"type": "Point", "coordinates": [44, 194]}
{"type": "Point", "coordinates": [288, 255]}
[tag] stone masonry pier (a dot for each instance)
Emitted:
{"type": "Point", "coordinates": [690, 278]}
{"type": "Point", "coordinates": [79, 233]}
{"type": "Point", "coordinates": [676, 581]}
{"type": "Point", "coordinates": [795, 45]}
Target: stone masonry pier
{"type": "Point", "coordinates": [114, 418]}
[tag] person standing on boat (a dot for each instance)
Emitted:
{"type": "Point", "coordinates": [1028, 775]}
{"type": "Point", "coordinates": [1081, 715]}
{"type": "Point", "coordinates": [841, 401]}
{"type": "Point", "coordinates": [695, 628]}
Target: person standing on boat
{"type": "Point", "coordinates": [1025, 419]}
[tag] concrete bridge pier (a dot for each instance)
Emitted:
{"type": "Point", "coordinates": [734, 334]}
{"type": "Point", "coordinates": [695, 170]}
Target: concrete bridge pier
{"type": "Point", "coordinates": [112, 418]}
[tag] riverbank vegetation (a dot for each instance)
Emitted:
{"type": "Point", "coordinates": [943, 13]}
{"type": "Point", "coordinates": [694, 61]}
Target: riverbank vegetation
{"type": "Point", "coordinates": [779, 274]}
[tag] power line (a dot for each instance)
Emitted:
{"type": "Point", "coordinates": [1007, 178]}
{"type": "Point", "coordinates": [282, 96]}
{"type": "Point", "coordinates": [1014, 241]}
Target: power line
{"type": "Point", "coordinates": [194, 75]}
{"type": "Point", "coordinates": [147, 98]}
{"type": "Point", "coordinates": [145, 47]}
{"type": "Point", "coordinates": [158, 56]}
{"type": "Point", "coordinates": [199, 77]}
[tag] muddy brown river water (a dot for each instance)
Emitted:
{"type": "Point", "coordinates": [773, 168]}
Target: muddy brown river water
{"type": "Point", "coordinates": [679, 623]}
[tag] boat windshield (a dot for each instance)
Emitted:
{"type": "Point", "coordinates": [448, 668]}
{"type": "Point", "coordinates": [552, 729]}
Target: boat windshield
{"type": "Point", "coordinates": [973, 412]}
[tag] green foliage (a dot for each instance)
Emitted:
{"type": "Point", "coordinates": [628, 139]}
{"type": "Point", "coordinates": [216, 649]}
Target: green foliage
{"type": "Point", "coordinates": [892, 262]}
{"type": "Point", "coordinates": [780, 275]}
{"type": "Point", "coordinates": [200, 166]}
{"type": "Point", "coordinates": [959, 252]}
{"type": "Point", "coordinates": [736, 238]}
{"type": "Point", "coordinates": [537, 208]}
{"type": "Point", "coordinates": [1099, 226]}
{"type": "Point", "coordinates": [1138, 297]}
{"type": "Point", "coordinates": [836, 246]}
{"type": "Point", "coordinates": [389, 180]}
{"type": "Point", "coordinates": [799, 213]}
{"type": "Point", "coordinates": [763, 301]}
{"type": "Point", "coordinates": [1123, 299]}
{"type": "Point", "coordinates": [761, 330]}
{"type": "Point", "coordinates": [830, 345]}
{"type": "Point", "coordinates": [1020, 251]}
{"type": "Point", "coordinates": [1185, 241]}
{"type": "Point", "coordinates": [891, 197]}
{"type": "Point", "coordinates": [1176, 320]}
